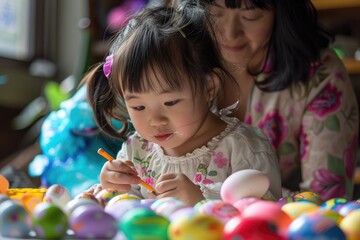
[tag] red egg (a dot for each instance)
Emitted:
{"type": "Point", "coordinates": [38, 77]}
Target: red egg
{"type": "Point", "coordinates": [250, 229]}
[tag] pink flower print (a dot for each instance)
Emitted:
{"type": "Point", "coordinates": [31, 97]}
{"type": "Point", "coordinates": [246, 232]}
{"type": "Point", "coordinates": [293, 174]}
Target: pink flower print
{"type": "Point", "coordinates": [327, 102]}
{"type": "Point", "coordinates": [274, 128]}
{"type": "Point", "coordinates": [149, 181]}
{"type": "Point", "coordinates": [219, 159]}
{"type": "Point", "coordinates": [304, 145]}
{"type": "Point", "coordinates": [248, 119]}
{"type": "Point", "coordinates": [208, 181]}
{"type": "Point", "coordinates": [313, 68]}
{"type": "Point", "coordinates": [198, 177]}
{"type": "Point", "coordinates": [340, 75]}
{"type": "Point", "coordinates": [328, 185]}
{"type": "Point", "coordinates": [259, 107]}
{"type": "Point", "coordinates": [349, 156]}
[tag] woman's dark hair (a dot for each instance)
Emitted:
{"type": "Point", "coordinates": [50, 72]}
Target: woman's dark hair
{"type": "Point", "coordinates": [295, 43]}
{"type": "Point", "coordinates": [171, 44]}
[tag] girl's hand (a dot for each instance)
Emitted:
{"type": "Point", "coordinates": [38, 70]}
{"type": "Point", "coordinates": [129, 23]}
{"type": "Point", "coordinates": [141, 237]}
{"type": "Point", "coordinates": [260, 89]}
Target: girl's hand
{"type": "Point", "coordinates": [179, 186]}
{"type": "Point", "coordinates": [118, 175]}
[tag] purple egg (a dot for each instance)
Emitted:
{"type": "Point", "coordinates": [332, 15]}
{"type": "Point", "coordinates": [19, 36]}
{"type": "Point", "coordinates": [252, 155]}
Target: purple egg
{"type": "Point", "coordinates": [118, 209]}
{"type": "Point", "coordinates": [92, 222]}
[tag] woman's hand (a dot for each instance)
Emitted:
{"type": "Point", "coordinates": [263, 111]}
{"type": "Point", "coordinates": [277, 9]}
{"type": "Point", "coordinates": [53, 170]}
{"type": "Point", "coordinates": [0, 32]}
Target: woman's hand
{"type": "Point", "coordinates": [179, 186]}
{"type": "Point", "coordinates": [118, 175]}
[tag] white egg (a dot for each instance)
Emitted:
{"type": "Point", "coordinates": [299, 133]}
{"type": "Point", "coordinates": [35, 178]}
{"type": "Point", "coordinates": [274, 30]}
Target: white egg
{"type": "Point", "coordinates": [58, 195]}
{"type": "Point", "coordinates": [244, 184]}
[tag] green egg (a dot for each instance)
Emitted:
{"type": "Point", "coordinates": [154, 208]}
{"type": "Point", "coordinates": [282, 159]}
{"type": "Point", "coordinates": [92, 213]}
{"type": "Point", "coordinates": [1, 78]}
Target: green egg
{"type": "Point", "coordinates": [143, 223]}
{"type": "Point", "coordinates": [50, 222]}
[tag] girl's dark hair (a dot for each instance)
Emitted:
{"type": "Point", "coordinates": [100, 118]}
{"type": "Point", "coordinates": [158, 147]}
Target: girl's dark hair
{"type": "Point", "coordinates": [295, 43]}
{"type": "Point", "coordinates": [171, 44]}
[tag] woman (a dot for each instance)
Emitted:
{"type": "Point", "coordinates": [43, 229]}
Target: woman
{"type": "Point", "coordinates": [293, 87]}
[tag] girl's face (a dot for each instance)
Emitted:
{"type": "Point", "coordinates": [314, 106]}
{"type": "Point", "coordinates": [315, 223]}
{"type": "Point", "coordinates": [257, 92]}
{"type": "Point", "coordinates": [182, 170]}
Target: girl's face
{"type": "Point", "coordinates": [169, 118]}
{"type": "Point", "coordinates": [241, 32]}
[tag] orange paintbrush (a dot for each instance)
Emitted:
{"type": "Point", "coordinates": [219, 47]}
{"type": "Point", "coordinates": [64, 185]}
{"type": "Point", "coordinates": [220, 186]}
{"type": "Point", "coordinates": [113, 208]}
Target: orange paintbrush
{"type": "Point", "coordinates": [110, 158]}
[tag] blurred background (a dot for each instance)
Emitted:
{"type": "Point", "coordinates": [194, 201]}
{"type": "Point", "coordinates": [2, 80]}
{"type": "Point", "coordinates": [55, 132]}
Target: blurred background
{"type": "Point", "coordinates": [47, 45]}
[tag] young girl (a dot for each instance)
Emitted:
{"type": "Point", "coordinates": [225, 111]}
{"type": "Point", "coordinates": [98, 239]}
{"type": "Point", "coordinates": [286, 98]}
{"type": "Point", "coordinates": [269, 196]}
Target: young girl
{"type": "Point", "coordinates": [164, 72]}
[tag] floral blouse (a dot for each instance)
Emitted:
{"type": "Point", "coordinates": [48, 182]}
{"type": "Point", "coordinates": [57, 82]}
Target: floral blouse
{"type": "Point", "coordinates": [313, 128]}
{"type": "Point", "coordinates": [238, 147]}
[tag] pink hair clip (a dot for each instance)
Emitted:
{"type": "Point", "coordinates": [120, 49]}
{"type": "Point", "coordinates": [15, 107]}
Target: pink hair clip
{"type": "Point", "coordinates": [108, 65]}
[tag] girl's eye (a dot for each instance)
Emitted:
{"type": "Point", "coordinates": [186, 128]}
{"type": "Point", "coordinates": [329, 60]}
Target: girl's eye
{"type": "Point", "coordinates": [138, 108]}
{"type": "Point", "coordinates": [171, 103]}
{"type": "Point", "coordinates": [251, 15]}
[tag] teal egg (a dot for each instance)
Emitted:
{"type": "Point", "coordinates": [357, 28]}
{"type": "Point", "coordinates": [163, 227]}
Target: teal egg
{"type": "Point", "coordinates": [143, 223]}
{"type": "Point", "coordinates": [50, 222]}
{"type": "Point", "coordinates": [15, 221]}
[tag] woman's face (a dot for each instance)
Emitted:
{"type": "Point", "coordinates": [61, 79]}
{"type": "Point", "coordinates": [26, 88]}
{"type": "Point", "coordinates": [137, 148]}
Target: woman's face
{"type": "Point", "coordinates": [241, 32]}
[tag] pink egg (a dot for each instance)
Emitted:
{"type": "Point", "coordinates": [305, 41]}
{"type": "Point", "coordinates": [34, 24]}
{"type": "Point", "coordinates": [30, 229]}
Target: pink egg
{"type": "Point", "coordinates": [243, 203]}
{"type": "Point", "coordinates": [271, 212]}
{"type": "Point", "coordinates": [221, 210]}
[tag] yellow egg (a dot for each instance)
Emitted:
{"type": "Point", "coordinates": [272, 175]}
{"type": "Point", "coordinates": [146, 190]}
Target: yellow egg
{"type": "Point", "coordinates": [295, 209]}
{"type": "Point", "coordinates": [198, 226]}
{"type": "Point", "coordinates": [351, 225]}
{"type": "Point", "coordinates": [309, 196]}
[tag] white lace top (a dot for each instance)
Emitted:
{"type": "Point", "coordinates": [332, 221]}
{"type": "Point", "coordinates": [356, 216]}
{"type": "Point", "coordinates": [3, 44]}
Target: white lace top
{"type": "Point", "coordinates": [238, 147]}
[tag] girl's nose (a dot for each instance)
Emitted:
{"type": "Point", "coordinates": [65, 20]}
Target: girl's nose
{"type": "Point", "coordinates": [157, 119]}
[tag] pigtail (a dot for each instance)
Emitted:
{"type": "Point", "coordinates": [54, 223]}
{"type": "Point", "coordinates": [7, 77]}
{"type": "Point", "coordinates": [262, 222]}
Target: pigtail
{"type": "Point", "coordinates": [103, 102]}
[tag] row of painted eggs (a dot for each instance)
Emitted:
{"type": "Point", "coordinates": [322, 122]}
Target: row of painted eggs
{"type": "Point", "coordinates": [108, 213]}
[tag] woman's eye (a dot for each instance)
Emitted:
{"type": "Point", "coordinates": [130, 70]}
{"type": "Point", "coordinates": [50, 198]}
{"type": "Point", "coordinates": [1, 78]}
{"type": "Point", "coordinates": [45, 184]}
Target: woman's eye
{"type": "Point", "coordinates": [171, 103]}
{"type": "Point", "coordinates": [251, 15]}
{"type": "Point", "coordinates": [138, 108]}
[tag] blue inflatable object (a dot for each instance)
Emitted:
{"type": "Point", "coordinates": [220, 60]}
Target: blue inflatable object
{"type": "Point", "coordinates": [69, 141]}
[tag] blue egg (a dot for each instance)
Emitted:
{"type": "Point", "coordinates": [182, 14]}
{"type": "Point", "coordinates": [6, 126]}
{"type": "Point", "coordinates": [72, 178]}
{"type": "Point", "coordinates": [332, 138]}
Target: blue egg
{"type": "Point", "coordinates": [15, 221]}
{"type": "Point", "coordinates": [309, 226]}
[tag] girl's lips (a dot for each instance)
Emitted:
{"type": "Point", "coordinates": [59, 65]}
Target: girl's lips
{"type": "Point", "coordinates": [163, 137]}
{"type": "Point", "coordinates": [234, 48]}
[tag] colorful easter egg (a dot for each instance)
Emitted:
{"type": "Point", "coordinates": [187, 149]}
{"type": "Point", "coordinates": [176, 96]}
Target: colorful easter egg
{"type": "Point", "coordinates": [4, 184]}
{"type": "Point", "coordinates": [309, 196]}
{"type": "Point", "coordinates": [167, 206]}
{"type": "Point", "coordinates": [144, 223]}
{"type": "Point", "coordinates": [88, 195]}
{"type": "Point", "coordinates": [219, 209]}
{"type": "Point", "coordinates": [334, 203]}
{"type": "Point", "coordinates": [330, 214]}
{"type": "Point", "coordinates": [284, 200]}
{"type": "Point", "coordinates": [250, 228]}
{"type": "Point", "coordinates": [122, 197]}
{"type": "Point", "coordinates": [105, 195]}
{"type": "Point", "coordinates": [118, 209]}
{"type": "Point", "coordinates": [348, 207]}
{"type": "Point", "coordinates": [58, 195]}
{"type": "Point", "coordinates": [295, 209]}
{"type": "Point", "coordinates": [187, 212]}
{"type": "Point", "coordinates": [77, 202]}
{"type": "Point", "coordinates": [15, 221]}
{"type": "Point", "coordinates": [243, 203]}
{"type": "Point", "coordinates": [308, 226]}
{"type": "Point", "coordinates": [92, 222]}
{"type": "Point", "coordinates": [50, 222]}
{"type": "Point", "coordinates": [351, 225]}
{"type": "Point", "coordinates": [198, 226]}
{"type": "Point", "coordinates": [253, 184]}
{"type": "Point", "coordinates": [271, 212]}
